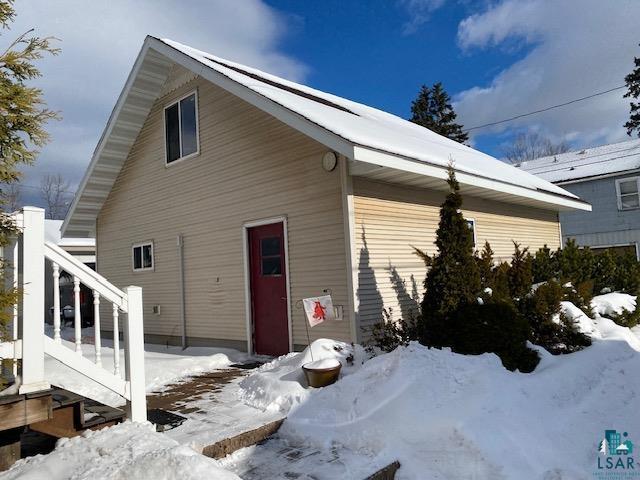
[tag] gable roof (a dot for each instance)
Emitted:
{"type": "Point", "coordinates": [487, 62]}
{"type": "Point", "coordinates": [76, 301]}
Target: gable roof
{"type": "Point", "coordinates": [588, 163]}
{"type": "Point", "coordinates": [379, 145]}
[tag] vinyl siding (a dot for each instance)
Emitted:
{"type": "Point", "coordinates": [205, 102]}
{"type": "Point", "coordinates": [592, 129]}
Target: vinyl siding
{"type": "Point", "coordinates": [605, 224]}
{"type": "Point", "coordinates": [390, 220]}
{"type": "Point", "coordinates": [250, 167]}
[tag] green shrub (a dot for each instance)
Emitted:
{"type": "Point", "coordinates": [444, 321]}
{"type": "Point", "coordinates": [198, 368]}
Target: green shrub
{"type": "Point", "coordinates": [540, 309]}
{"type": "Point", "coordinates": [544, 265]}
{"type": "Point", "coordinates": [493, 327]}
{"type": "Point", "coordinates": [520, 276]}
{"type": "Point", "coordinates": [580, 295]}
{"type": "Point", "coordinates": [627, 275]}
{"type": "Point", "coordinates": [390, 333]}
{"type": "Point", "coordinates": [575, 264]}
{"type": "Point", "coordinates": [627, 318]}
{"type": "Point", "coordinates": [485, 266]}
{"type": "Point", "coordinates": [604, 272]}
{"type": "Point", "coordinates": [500, 283]}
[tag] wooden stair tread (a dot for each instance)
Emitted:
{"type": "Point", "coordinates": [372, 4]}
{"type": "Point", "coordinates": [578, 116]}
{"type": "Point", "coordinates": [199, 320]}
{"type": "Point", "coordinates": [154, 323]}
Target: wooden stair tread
{"type": "Point", "coordinates": [73, 413]}
{"type": "Point", "coordinates": [62, 398]}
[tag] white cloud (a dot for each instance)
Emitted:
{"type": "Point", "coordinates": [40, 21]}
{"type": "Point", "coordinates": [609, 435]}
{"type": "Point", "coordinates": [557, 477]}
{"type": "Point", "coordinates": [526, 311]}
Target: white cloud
{"type": "Point", "coordinates": [574, 48]}
{"type": "Point", "coordinates": [419, 11]}
{"type": "Point", "coordinates": [100, 41]}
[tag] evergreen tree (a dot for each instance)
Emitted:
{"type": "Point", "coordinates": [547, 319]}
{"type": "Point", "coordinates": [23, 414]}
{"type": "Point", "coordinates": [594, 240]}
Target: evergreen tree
{"type": "Point", "coordinates": [485, 265]}
{"type": "Point", "coordinates": [575, 264]}
{"type": "Point", "coordinates": [432, 109]}
{"type": "Point", "coordinates": [604, 272]}
{"type": "Point", "coordinates": [520, 275]}
{"type": "Point", "coordinates": [453, 278]}
{"type": "Point", "coordinates": [24, 115]}
{"type": "Point", "coordinates": [544, 266]}
{"type": "Point", "coordinates": [633, 91]}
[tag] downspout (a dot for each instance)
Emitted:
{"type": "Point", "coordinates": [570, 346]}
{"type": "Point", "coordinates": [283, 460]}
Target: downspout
{"type": "Point", "coordinates": [183, 318]}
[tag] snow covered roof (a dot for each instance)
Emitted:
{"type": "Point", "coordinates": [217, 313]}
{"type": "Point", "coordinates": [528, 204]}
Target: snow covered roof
{"type": "Point", "coordinates": [587, 163]}
{"type": "Point", "coordinates": [379, 145]}
{"type": "Point", "coordinates": [52, 234]}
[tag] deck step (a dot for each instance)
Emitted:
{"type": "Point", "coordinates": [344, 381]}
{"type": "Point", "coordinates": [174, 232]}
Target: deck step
{"type": "Point", "coordinates": [73, 414]}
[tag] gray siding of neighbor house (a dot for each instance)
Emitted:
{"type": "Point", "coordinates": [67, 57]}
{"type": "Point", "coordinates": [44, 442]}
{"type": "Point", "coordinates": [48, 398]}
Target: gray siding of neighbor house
{"type": "Point", "coordinates": [605, 225]}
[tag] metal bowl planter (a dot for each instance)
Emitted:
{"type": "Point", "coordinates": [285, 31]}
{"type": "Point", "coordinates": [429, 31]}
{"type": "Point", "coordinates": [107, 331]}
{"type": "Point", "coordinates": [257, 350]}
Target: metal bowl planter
{"type": "Point", "coordinates": [321, 377]}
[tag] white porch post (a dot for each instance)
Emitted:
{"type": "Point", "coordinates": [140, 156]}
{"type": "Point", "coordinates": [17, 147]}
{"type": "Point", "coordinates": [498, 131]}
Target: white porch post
{"type": "Point", "coordinates": [33, 301]}
{"type": "Point", "coordinates": [134, 356]}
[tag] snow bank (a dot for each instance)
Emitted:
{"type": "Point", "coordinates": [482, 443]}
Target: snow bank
{"type": "Point", "coordinates": [128, 450]}
{"type": "Point", "coordinates": [450, 416]}
{"type": "Point", "coordinates": [281, 384]}
{"type": "Point", "coordinates": [613, 303]}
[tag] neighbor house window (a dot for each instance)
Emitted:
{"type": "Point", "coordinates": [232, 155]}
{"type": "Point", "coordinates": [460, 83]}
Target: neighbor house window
{"type": "Point", "coordinates": [142, 256]}
{"type": "Point", "coordinates": [471, 224]}
{"type": "Point", "coordinates": [181, 128]}
{"type": "Point", "coordinates": [628, 193]}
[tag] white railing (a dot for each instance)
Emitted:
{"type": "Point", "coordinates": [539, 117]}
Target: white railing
{"type": "Point", "coordinates": [30, 343]}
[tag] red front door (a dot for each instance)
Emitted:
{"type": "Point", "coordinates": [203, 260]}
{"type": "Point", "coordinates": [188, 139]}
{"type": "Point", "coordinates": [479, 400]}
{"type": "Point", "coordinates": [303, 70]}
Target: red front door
{"type": "Point", "coordinates": [268, 289]}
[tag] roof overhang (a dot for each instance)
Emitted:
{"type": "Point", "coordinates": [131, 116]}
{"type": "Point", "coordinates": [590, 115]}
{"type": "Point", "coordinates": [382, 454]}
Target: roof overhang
{"type": "Point", "coordinates": [386, 167]}
{"type": "Point", "coordinates": [144, 83]}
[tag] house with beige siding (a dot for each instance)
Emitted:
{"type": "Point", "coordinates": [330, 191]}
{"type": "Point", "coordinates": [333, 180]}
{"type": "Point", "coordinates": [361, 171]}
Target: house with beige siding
{"type": "Point", "coordinates": [229, 195]}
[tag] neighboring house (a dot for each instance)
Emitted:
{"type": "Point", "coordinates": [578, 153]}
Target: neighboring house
{"type": "Point", "coordinates": [608, 177]}
{"type": "Point", "coordinates": [84, 249]}
{"type": "Point", "coordinates": [229, 195]}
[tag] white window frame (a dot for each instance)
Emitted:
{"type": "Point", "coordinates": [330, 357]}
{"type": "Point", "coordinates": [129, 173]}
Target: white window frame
{"type": "Point", "coordinates": [618, 194]}
{"type": "Point", "coordinates": [153, 259]}
{"type": "Point", "coordinates": [164, 120]}
{"type": "Point", "coordinates": [475, 224]}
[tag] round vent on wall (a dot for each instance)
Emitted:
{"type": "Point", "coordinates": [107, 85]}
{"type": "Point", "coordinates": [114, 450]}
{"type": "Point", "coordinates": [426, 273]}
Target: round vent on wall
{"type": "Point", "coordinates": [329, 161]}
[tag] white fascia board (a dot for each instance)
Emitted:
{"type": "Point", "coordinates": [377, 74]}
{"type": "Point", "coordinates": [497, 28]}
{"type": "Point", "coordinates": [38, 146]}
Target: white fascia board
{"type": "Point", "coordinates": [106, 133]}
{"type": "Point", "coordinates": [384, 159]}
{"type": "Point", "coordinates": [282, 113]}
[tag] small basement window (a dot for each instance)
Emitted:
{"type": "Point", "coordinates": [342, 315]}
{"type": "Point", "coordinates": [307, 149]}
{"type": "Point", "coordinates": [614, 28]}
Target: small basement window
{"type": "Point", "coordinates": [628, 193]}
{"type": "Point", "coordinates": [142, 256]}
{"type": "Point", "coordinates": [181, 128]}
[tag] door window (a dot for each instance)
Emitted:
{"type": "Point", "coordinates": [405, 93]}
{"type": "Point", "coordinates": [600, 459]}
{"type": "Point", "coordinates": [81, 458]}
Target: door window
{"type": "Point", "coordinates": [270, 258]}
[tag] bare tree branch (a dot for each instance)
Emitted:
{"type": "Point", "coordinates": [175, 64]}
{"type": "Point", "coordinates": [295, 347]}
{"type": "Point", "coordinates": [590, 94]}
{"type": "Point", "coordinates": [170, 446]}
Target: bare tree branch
{"type": "Point", "coordinates": [55, 193]}
{"type": "Point", "coordinates": [530, 145]}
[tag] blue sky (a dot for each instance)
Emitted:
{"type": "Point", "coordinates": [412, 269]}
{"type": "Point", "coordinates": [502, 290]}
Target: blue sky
{"type": "Point", "coordinates": [362, 51]}
{"type": "Point", "coordinates": [497, 58]}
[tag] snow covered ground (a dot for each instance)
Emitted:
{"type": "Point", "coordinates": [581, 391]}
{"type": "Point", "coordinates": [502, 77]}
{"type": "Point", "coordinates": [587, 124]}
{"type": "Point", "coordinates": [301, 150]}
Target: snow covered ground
{"type": "Point", "coordinates": [126, 451]}
{"type": "Point", "coordinates": [442, 415]}
{"type": "Point", "coordinates": [163, 365]}
{"type": "Point", "coordinates": [450, 416]}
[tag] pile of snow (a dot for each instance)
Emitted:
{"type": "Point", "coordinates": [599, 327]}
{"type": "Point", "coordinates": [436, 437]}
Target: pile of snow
{"type": "Point", "coordinates": [128, 450]}
{"type": "Point", "coordinates": [450, 416]}
{"type": "Point", "coordinates": [581, 320]}
{"type": "Point", "coordinates": [281, 384]}
{"type": "Point", "coordinates": [163, 365]}
{"type": "Point", "coordinates": [613, 304]}
{"type": "Point", "coordinates": [444, 415]}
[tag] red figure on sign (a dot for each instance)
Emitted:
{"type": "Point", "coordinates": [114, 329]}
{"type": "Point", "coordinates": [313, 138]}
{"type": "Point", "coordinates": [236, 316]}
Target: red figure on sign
{"type": "Point", "coordinates": [319, 312]}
